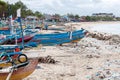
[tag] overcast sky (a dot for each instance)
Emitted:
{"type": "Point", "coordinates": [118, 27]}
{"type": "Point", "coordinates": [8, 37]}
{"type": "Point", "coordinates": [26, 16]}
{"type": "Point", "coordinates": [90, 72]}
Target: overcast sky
{"type": "Point", "coordinates": [81, 7]}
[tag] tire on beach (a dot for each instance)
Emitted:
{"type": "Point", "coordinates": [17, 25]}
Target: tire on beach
{"type": "Point", "coordinates": [22, 58]}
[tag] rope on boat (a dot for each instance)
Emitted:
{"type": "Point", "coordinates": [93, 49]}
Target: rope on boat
{"type": "Point", "coordinates": [9, 75]}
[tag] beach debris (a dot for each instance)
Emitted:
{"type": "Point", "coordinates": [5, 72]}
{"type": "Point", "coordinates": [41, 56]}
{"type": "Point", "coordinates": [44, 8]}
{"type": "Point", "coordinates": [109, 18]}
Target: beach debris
{"type": "Point", "coordinates": [112, 38]}
{"type": "Point", "coordinates": [88, 67]}
{"type": "Point", "coordinates": [105, 75]}
{"type": "Point", "coordinates": [89, 56]}
{"type": "Point", "coordinates": [99, 36]}
{"type": "Point", "coordinates": [98, 76]}
{"type": "Point", "coordinates": [92, 56]}
{"type": "Point", "coordinates": [62, 75]}
{"type": "Point", "coordinates": [115, 63]}
{"type": "Point", "coordinates": [71, 74]}
{"type": "Point", "coordinates": [115, 40]}
{"type": "Point", "coordinates": [47, 59]}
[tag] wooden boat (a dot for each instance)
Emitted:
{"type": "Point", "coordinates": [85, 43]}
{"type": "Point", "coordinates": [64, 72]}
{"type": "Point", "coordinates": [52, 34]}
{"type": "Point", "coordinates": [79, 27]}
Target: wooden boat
{"type": "Point", "coordinates": [26, 38]}
{"type": "Point", "coordinates": [19, 40]}
{"type": "Point", "coordinates": [9, 48]}
{"type": "Point", "coordinates": [59, 38]}
{"type": "Point", "coordinates": [3, 41]}
{"type": "Point", "coordinates": [7, 64]}
{"type": "Point", "coordinates": [21, 72]}
{"type": "Point", "coordinates": [53, 35]}
{"type": "Point", "coordinates": [5, 32]}
{"type": "Point", "coordinates": [4, 28]}
{"type": "Point", "coordinates": [11, 39]}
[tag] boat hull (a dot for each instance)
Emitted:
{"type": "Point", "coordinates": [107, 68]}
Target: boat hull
{"type": "Point", "coordinates": [19, 40]}
{"type": "Point", "coordinates": [4, 28]}
{"type": "Point", "coordinates": [60, 38]}
{"type": "Point", "coordinates": [22, 72]}
{"type": "Point", "coordinates": [26, 39]}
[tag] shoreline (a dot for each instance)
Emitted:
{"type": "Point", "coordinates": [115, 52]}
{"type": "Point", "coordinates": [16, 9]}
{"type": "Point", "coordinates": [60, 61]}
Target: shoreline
{"type": "Point", "coordinates": [82, 62]}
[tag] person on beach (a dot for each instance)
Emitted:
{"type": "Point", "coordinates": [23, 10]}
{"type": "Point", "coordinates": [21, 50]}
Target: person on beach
{"type": "Point", "coordinates": [46, 27]}
{"type": "Point", "coordinates": [42, 25]}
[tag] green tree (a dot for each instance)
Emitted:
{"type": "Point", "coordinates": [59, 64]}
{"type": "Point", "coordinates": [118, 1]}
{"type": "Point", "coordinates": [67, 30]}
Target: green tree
{"type": "Point", "coordinates": [88, 18]}
{"type": "Point", "coordinates": [3, 6]}
{"type": "Point", "coordinates": [70, 16]}
{"type": "Point", "coordinates": [77, 16]}
{"type": "Point", "coordinates": [56, 17]}
{"type": "Point", "coordinates": [107, 18]}
{"type": "Point", "coordinates": [118, 18]}
{"type": "Point", "coordinates": [29, 12]}
{"type": "Point", "coordinates": [23, 7]}
{"type": "Point", "coordinates": [38, 14]}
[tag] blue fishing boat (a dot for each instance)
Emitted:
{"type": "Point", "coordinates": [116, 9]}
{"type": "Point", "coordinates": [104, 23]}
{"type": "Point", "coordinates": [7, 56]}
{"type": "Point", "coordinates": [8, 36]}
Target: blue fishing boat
{"type": "Point", "coordinates": [9, 48]}
{"type": "Point", "coordinates": [57, 34]}
{"type": "Point", "coordinates": [59, 38]}
{"type": "Point", "coordinates": [11, 39]}
{"type": "Point", "coordinates": [5, 32]}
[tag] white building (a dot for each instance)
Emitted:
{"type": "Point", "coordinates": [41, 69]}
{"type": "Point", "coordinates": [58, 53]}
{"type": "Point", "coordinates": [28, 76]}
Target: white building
{"type": "Point", "coordinates": [103, 15]}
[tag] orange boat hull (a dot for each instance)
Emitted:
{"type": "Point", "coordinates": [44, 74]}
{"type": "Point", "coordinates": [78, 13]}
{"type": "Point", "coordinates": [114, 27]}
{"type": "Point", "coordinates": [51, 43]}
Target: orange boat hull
{"type": "Point", "coordinates": [4, 28]}
{"type": "Point", "coordinates": [22, 72]}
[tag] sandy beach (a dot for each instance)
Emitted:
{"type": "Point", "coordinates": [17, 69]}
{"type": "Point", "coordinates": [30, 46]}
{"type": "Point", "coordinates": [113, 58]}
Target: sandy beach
{"type": "Point", "coordinates": [94, 58]}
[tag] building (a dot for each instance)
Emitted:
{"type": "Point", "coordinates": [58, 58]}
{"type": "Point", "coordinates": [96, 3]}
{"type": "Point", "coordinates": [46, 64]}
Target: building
{"type": "Point", "coordinates": [47, 16]}
{"type": "Point", "coordinates": [31, 17]}
{"type": "Point", "coordinates": [103, 15]}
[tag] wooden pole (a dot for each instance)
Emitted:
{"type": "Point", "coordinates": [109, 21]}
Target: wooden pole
{"type": "Point", "coordinates": [19, 18]}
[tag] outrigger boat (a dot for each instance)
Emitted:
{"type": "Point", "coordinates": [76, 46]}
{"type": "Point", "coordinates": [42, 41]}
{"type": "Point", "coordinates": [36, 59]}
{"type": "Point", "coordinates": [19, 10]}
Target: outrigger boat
{"type": "Point", "coordinates": [12, 39]}
{"type": "Point", "coordinates": [19, 71]}
{"type": "Point", "coordinates": [59, 38]}
{"type": "Point", "coordinates": [4, 26]}
{"type": "Point", "coordinates": [26, 38]}
{"type": "Point", "coordinates": [9, 48]}
{"type": "Point", "coordinates": [54, 35]}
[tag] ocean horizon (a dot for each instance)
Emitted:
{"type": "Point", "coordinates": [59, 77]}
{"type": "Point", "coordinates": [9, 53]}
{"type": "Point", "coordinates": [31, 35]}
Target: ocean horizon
{"type": "Point", "coordinates": [113, 28]}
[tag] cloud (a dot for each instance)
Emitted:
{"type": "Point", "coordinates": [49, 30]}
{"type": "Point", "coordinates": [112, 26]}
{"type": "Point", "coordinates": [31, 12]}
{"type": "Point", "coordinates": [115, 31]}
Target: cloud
{"type": "Point", "coordinates": [81, 7]}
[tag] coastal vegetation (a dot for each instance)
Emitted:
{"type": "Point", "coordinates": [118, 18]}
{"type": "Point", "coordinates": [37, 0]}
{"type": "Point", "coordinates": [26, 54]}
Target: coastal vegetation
{"type": "Point", "coordinates": [97, 18]}
{"type": "Point", "coordinates": [7, 9]}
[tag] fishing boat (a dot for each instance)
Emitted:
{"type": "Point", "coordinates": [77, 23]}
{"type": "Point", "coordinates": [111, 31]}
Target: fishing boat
{"type": "Point", "coordinates": [59, 38]}
{"type": "Point", "coordinates": [19, 40]}
{"type": "Point", "coordinates": [11, 39]}
{"type": "Point", "coordinates": [4, 28]}
{"type": "Point", "coordinates": [9, 48]}
{"type": "Point", "coordinates": [7, 64]}
{"type": "Point", "coordinates": [58, 34]}
{"type": "Point", "coordinates": [19, 72]}
{"type": "Point", "coordinates": [6, 40]}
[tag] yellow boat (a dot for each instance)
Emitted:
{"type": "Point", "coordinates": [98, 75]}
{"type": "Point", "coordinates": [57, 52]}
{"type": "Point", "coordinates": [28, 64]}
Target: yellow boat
{"type": "Point", "coordinates": [10, 64]}
{"type": "Point", "coordinates": [21, 72]}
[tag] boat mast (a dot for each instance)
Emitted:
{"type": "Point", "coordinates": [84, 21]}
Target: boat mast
{"type": "Point", "coordinates": [11, 25]}
{"type": "Point", "coordinates": [10, 20]}
{"type": "Point", "coordinates": [20, 22]}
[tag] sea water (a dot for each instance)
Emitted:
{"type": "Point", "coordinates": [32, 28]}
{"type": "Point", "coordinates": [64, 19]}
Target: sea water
{"type": "Point", "coordinates": [113, 28]}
